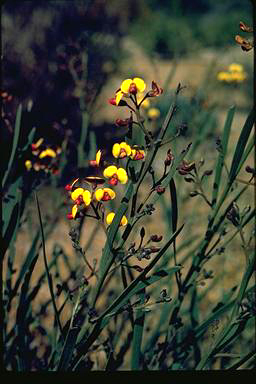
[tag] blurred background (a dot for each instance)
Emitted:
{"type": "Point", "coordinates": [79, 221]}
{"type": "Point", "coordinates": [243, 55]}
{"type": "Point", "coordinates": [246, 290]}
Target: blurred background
{"type": "Point", "coordinates": [60, 58]}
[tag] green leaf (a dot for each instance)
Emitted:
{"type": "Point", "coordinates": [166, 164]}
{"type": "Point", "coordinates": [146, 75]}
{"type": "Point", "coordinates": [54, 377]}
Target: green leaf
{"type": "Point", "coordinates": [108, 255]}
{"type": "Point", "coordinates": [14, 144]}
{"type": "Point", "coordinates": [68, 348]}
{"type": "Point", "coordinates": [240, 147]}
{"type": "Point", "coordinates": [222, 154]}
{"type": "Point", "coordinates": [137, 334]}
{"type": "Point", "coordinates": [49, 278]}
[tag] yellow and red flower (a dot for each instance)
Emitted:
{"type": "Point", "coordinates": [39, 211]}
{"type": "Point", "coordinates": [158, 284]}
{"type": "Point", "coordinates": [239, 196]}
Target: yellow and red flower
{"type": "Point", "coordinates": [104, 194]}
{"type": "Point", "coordinates": [115, 174]}
{"type": "Point", "coordinates": [130, 86]}
{"type": "Point", "coordinates": [121, 150]}
{"type": "Point", "coordinates": [137, 154]}
{"type": "Point", "coordinates": [80, 195]}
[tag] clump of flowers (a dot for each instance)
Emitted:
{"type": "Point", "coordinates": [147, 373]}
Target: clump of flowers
{"type": "Point", "coordinates": [234, 74]}
{"type": "Point", "coordinates": [113, 173]}
{"type": "Point", "coordinates": [43, 157]}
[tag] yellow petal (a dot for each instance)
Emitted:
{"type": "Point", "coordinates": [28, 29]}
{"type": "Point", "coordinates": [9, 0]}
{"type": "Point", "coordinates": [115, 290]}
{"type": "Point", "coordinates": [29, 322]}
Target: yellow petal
{"type": "Point", "coordinates": [124, 221]}
{"type": "Point", "coordinates": [77, 192]}
{"type": "Point", "coordinates": [122, 175]}
{"type": "Point", "coordinates": [110, 171]}
{"type": "Point", "coordinates": [119, 96]}
{"type": "Point", "coordinates": [126, 85]}
{"type": "Point", "coordinates": [116, 150]}
{"type": "Point", "coordinates": [99, 194]}
{"type": "Point", "coordinates": [110, 218]}
{"type": "Point", "coordinates": [140, 84]}
{"type": "Point", "coordinates": [87, 197]}
{"type": "Point", "coordinates": [38, 143]}
{"type": "Point", "coordinates": [74, 211]}
{"type": "Point", "coordinates": [47, 152]}
{"type": "Point", "coordinates": [28, 164]}
{"type": "Point", "coordinates": [98, 157]}
{"type": "Point", "coordinates": [111, 193]}
{"type": "Point", "coordinates": [126, 147]}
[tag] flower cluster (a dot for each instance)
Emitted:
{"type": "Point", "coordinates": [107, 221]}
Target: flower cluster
{"type": "Point", "coordinates": [112, 173]}
{"type": "Point", "coordinates": [235, 74]}
{"type": "Point", "coordinates": [43, 157]}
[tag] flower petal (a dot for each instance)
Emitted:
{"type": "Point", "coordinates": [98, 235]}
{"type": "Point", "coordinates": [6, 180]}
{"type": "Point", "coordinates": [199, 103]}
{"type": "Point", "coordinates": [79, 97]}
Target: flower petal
{"type": "Point", "coordinates": [122, 175]}
{"type": "Point", "coordinates": [99, 194]}
{"type": "Point", "coordinates": [116, 150]}
{"type": "Point", "coordinates": [76, 193]}
{"type": "Point", "coordinates": [140, 84]}
{"type": "Point", "coordinates": [74, 211]}
{"type": "Point", "coordinates": [110, 218]}
{"type": "Point", "coordinates": [119, 96]}
{"type": "Point", "coordinates": [109, 171]}
{"type": "Point", "coordinates": [111, 193]}
{"type": "Point", "coordinates": [87, 197]}
{"type": "Point", "coordinates": [126, 85]}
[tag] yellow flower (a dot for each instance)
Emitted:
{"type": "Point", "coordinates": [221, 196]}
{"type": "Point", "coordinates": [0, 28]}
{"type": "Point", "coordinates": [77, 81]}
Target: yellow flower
{"type": "Point", "coordinates": [80, 195]}
{"type": "Point", "coordinates": [153, 113]}
{"type": "Point", "coordinates": [130, 86]}
{"type": "Point", "coordinates": [238, 76]}
{"type": "Point", "coordinates": [224, 76]}
{"type": "Point", "coordinates": [47, 152]}
{"type": "Point", "coordinates": [114, 175]}
{"type": "Point", "coordinates": [110, 218]}
{"type": "Point", "coordinates": [104, 194]}
{"type": "Point", "coordinates": [98, 157]}
{"type": "Point", "coordinates": [121, 150]}
{"type": "Point", "coordinates": [236, 68]}
{"type": "Point", "coordinates": [133, 85]}
{"type": "Point", "coordinates": [137, 154]}
{"type": "Point", "coordinates": [28, 164]}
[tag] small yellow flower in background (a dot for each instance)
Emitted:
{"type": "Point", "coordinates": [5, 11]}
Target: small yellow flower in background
{"type": "Point", "coordinates": [238, 76]}
{"type": "Point", "coordinates": [153, 113]}
{"type": "Point", "coordinates": [114, 175]}
{"type": "Point", "coordinates": [47, 152]}
{"type": "Point", "coordinates": [28, 164]}
{"type": "Point", "coordinates": [236, 68]}
{"type": "Point", "coordinates": [235, 74]}
{"type": "Point", "coordinates": [110, 218]}
{"type": "Point", "coordinates": [104, 194]}
{"type": "Point", "coordinates": [137, 154]}
{"type": "Point", "coordinates": [96, 162]}
{"type": "Point", "coordinates": [121, 150]}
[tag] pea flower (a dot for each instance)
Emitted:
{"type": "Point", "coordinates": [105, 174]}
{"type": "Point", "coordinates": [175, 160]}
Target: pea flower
{"type": "Point", "coordinates": [73, 213]}
{"type": "Point", "coordinates": [130, 86]}
{"type": "Point", "coordinates": [121, 150]}
{"type": "Point", "coordinates": [80, 195]}
{"type": "Point", "coordinates": [47, 152]}
{"type": "Point", "coordinates": [104, 194]}
{"type": "Point", "coordinates": [137, 154]}
{"type": "Point", "coordinates": [110, 218]}
{"type": "Point", "coordinates": [114, 175]}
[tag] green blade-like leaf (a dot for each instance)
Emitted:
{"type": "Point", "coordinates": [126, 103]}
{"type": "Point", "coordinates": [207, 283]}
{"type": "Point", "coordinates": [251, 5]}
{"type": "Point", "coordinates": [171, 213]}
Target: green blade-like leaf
{"type": "Point", "coordinates": [222, 154]}
{"type": "Point", "coordinates": [68, 348]}
{"type": "Point", "coordinates": [107, 253]}
{"type": "Point", "coordinates": [240, 147]}
{"type": "Point", "coordinates": [14, 144]}
{"type": "Point", "coordinates": [49, 278]}
{"type": "Point", "coordinates": [137, 334]}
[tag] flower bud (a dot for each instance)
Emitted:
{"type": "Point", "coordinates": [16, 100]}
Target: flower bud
{"type": "Point", "coordinates": [68, 187]}
{"type": "Point", "coordinates": [160, 190]}
{"type": "Point", "coordinates": [156, 238]}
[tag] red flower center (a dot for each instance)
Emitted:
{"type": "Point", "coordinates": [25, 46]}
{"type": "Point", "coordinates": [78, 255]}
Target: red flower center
{"type": "Point", "coordinates": [113, 180]}
{"type": "Point", "coordinates": [106, 196]}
